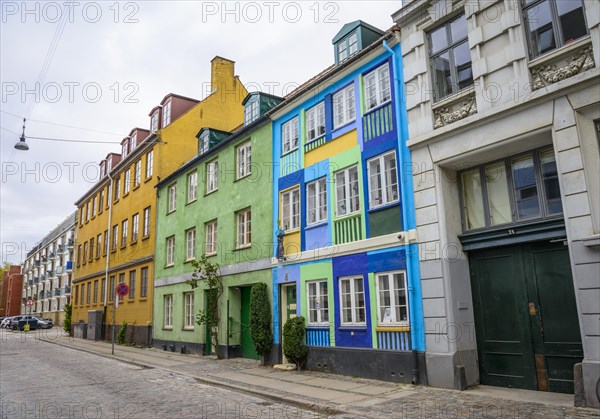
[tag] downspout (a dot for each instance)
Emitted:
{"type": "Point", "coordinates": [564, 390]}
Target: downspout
{"type": "Point", "coordinates": [405, 221]}
{"type": "Point", "coordinates": [107, 242]}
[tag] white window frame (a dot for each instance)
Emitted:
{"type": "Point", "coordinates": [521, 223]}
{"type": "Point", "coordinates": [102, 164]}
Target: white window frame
{"type": "Point", "coordinates": [149, 163]}
{"type": "Point", "coordinates": [289, 136]}
{"type": "Point", "coordinates": [166, 116]}
{"type": "Point", "coordinates": [88, 212]}
{"type": "Point", "coordinates": [382, 90]}
{"type": "Point", "coordinates": [115, 237]}
{"type": "Point", "coordinates": [349, 194]}
{"type": "Point", "coordinates": [251, 112]}
{"type": "Point", "coordinates": [188, 314]}
{"type": "Point", "coordinates": [124, 232]}
{"type": "Point", "coordinates": [314, 302]}
{"type": "Point", "coordinates": [172, 198]}
{"type": "Point", "coordinates": [170, 251]}
{"type": "Point", "coordinates": [124, 150]}
{"type": "Point", "coordinates": [117, 188]}
{"type": "Point", "coordinates": [138, 174]}
{"type": "Point", "coordinates": [190, 244]}
{"type": "Point", "coordinates": [244, 159]}
{"type": "Point", "coordinates": [146, 230]}
{"type": "Point", "coordinates": [354, 307]}
{"type": "Point", "coordinates": [133, 142]}
{"type": "Point", "coordinates": [135, 221]}
{"type": "Point", "coordinates": [210, 235]}
{"type": "Point", "coordinates": [315, 122]}
{"type": "Point", "coordinates": [127, 182]}
{"type": "Point", "coordinates": [212, 176]}
{"type": "Point", "coordinates": [391, 320]}
{"type": "Point", "coordinates": [94, 206]}
{"type": "Point", "coordinates": [168, 314]}
{"type": "Point", "coordinates": [192, 186]}
{"type": "Point", "coordinates": [387, 178]}
{"type": "Point", "coordinates": [98, 245]}
{"type": "Point", "coordinates": [344, 108]}
{"type": "Point", "coordinates": [204, 140]}
{"type": "Point", "coordinates": [290, 199]}
{"type": "Point", "coordinates": [317, 201]}
{"type": "Point", "coordinates": [244, 228]}
{"type": "Point", "coordinates": [154, 123]}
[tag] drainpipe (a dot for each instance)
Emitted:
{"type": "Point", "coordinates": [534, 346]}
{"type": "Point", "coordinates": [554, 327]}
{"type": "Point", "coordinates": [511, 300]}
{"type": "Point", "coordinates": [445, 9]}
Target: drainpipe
{"type": "Point", "coordinates": [405, 221]}
{"type": "Point", "coordinates": [107, 243]}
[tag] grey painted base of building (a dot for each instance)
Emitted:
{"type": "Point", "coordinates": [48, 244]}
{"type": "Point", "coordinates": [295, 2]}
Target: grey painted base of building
{"type": "Point", "coordinates": [457, 371]}
{"type": "Point", "coordinates": [136, 335]}
{"type": "Point", "coordinates": [395, 366]}
{"type": "Point", "coordinates": [179, 347]}
{"type": "Point", "coordinates": [587, 384]}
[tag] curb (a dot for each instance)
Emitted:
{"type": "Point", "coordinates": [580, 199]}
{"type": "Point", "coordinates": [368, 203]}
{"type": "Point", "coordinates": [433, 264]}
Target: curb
{"type": "Point", "coordinates": [329, 408]}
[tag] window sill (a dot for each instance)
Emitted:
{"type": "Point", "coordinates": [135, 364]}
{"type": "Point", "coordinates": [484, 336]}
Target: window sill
{"type": "Point", "coordinates": [376, 108]}
{"type": "Point", "coordinates": [169, 266]}
{"type": "Point", "coordinates": [384, 206]}
{"type": "Point", "coordinates": [454, 97]}
{"type": "Point", "coordinates": [353, 327]}
{"type": "Point", "coordinates": [246, 246]}
{"type": "Point", "coordinates": [314, 139]}
{"type": "Point", "coordinates": [392, 328]}
{"type": "Point", "coordinates": [316, 225]}
{"type": "Point", "coordinates": [188, 329]}
{"type": "Point", "coordinates": [191, 201]}
{"type": "Point", "coordinates": [350, 215]}
{"type": "Point", "coordinates": [131, 300]}
{"type": "Point", "coordinates": [242, 177]}
{"type": "Point", "coordinates": [125, 194]}
{"type": "Point", "coordinates": [143, 299]}
{"type": "Point", "coordinates": [210, 254]}
{"type": "Point", "coordinates": [291, 231]}
{"type": "Point", "coordinates": [211, 192]}
{"type": "Point", "coordinates": [136, 187]}
{"type": "Point", "coordinates": [146, 237]}
{"type": "Point", "coordinates": [289, 152]}
{"type": "Point", "coordinates": [188, 261]}
{"type": "Point", "coordinates": [559, 51]}
{"type": "Point", "coordinates": [169, 328]}
{"type": "Point", "coordinates": [171, 212]}
{"type": "Point", "coordinates": [318, 326]}
{"type": "Point", "coordinates": [344, 125]}
{"type": "Point", "coordinates": [148, 179]}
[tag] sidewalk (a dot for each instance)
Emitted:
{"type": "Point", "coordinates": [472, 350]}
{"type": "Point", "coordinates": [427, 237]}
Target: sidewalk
{"type": "Point", "coordinates": [341, 395]}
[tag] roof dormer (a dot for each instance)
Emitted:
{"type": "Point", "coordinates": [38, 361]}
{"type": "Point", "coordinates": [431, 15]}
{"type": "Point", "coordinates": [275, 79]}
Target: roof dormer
{"type": "Point", "coordinates": [208, 138]}
{"type": "Point", "coordinates": [256, 104]}
{"type": "Point", "coordinates": [352, 38]}
{"type": "Point", "coordinates": [154, 119]}
{"type": "Point", "coordinates": [125, 147]}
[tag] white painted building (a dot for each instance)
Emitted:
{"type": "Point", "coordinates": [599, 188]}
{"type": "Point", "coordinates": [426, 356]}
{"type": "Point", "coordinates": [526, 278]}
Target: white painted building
{"type": "Point", "coordinates": [503, 114]}
{"type": "Point", "coordinates": [47, 272]}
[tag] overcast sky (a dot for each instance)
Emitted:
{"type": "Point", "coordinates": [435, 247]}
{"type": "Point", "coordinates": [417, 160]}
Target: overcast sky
{"type": "Point", "coordinates": [113, 62]}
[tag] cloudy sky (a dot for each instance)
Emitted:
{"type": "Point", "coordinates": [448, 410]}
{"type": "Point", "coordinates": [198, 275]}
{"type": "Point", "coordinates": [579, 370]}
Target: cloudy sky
{"type": "Point", "coordinates": [91, 71]}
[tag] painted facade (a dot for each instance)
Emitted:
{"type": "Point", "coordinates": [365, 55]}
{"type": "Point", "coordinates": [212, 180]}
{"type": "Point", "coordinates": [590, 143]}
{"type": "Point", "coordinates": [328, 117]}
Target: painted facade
{"type": "Point", "coordinates": [48, 271]}
{"type": "Point", "coordinates": [119, 212]}
{"type": "Point", "coordinates": [343, 213]}
{"type": "Point", "coordinates": [503, 130]}
{"type": "Point", "coordinates": [218, 204]}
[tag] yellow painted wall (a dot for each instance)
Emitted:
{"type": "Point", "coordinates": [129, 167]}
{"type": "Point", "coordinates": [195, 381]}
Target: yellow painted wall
{"type": "Point", "coordinates": [340, 144]}
{"type": "Point", "coordinates": [175, 145]}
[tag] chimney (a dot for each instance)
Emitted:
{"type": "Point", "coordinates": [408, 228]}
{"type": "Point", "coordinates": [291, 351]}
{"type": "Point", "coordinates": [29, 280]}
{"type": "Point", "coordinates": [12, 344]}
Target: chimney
{"type": "Point", "coordinates": [222, 73]}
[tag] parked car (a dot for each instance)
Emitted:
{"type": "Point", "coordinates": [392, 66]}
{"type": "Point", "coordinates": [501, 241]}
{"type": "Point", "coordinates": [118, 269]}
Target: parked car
{"type": "Point", "coordinates": [5, 322]}
{"type": "Point", "coordinates": [19, 322]}
{"type": "Point", "coordinates": [44, 323]}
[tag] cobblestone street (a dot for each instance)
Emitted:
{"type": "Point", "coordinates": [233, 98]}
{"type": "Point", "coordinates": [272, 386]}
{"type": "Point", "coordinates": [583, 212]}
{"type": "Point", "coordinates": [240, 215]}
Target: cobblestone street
{"type": "Point", "coordinates": [43, 380]}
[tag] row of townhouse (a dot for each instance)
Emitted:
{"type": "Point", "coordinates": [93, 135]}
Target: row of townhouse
{"type": "Point", "coordinates": [48, 273]}
{"type": "Point", "coordinates": [429, 203]}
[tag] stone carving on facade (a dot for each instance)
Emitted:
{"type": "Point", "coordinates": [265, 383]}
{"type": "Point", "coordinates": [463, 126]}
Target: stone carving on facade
{"type": "Point", "coordinates": [445, 115]}
{"type": "Point", "coordinates": [548, 74]}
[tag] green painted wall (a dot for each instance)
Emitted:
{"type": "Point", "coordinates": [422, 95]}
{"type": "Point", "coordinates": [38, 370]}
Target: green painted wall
{"type": "Point", "coordinates": [314, 271]}
{"type": "Point", "coordinates": [254, 192]}
{"type": "Point", "coordinates": [385, 221]}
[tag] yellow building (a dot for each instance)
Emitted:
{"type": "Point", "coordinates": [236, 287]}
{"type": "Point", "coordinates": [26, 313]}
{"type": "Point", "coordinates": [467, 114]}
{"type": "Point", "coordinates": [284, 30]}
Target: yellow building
{"type": "Point", "coordinates": [116, 218]}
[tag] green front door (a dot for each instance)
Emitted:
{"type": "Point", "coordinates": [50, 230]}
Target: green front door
{"type": "Point", "coordinates": [525, 316]}
{"type": "Point", "coordinates": [247, 342]}
{"type": "Point", "coordinates": [290, 293]}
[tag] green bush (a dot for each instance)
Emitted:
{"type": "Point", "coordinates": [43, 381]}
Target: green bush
{"type": "Point", "coordinates": [260, 320]}
{"type": "Point", "coordinates": [121, 334]}
{"type": "Point", "coordinates": [294, 348]}
{"type": "Point", "coordinates": [67, 322]}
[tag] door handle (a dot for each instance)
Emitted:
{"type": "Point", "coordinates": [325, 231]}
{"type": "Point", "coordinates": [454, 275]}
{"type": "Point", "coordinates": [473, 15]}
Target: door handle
{"type": "Point", "coordinates": [532, 310]}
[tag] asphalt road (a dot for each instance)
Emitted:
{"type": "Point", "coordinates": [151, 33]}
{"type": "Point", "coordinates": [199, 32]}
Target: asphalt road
{"type": "Point", "coordinates": [43, 380]}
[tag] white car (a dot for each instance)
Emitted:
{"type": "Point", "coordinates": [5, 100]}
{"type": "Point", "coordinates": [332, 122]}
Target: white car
{"type": "Point", "coordinates": [5, 322]}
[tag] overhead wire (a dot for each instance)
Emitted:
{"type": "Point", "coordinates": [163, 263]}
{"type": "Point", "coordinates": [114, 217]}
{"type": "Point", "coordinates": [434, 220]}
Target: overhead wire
{"type": "Point", "coordinates": [61, 125]}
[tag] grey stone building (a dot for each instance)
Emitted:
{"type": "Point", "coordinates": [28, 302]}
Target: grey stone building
{"type": "Point", "coordinates": [47, 272]}
{"type": "Point", "coordinates": [503, 110]}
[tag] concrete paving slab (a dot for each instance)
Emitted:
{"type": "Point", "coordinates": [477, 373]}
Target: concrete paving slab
{"type": "Point", "coordinates": [372, 390]}
{"type": "Point", "coordinates": [322, 394]}
{"type": "Point", "coordinates": [333, 384]}
{"type": "Point", "coordinates": [556, 399]}
{"type": "Point", "coordinates": [295, 378]}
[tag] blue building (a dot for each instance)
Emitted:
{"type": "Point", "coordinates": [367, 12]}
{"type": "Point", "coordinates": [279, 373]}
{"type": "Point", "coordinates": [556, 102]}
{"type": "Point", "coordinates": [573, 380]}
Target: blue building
{"type": "Point", "coordinates": [344, 214]}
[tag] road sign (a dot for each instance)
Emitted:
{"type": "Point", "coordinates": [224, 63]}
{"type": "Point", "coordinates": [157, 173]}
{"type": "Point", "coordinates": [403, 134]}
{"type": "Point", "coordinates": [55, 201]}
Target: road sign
{"type": "Point", "coordinates": [29, 302]}
{"type": "Point", "coordinates": [122, 289]}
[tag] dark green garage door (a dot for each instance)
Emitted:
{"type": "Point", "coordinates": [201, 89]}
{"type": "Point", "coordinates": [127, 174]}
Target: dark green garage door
{"type": "Point", "coordinates": [525, 316]}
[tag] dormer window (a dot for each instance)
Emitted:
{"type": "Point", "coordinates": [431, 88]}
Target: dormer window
{"type": "Point", "coordinates": [203, 142]}
{"type": "Point", "coordinates": [124, 149]}
{"type": "Point", "coordinates": [154, 123]}
{"type": "Point", "coordinates": [166, 114]}
{"type": "Point", "coordinates": [133, 142]}
{"type": "Point", "coordinates": [109, 164]}
{"type": "Point", "coordinates": [347, 47]}
{"type": "Point", "coordinates": [103, 168]}
{"type": "Point", "coordinates": [251, 112]}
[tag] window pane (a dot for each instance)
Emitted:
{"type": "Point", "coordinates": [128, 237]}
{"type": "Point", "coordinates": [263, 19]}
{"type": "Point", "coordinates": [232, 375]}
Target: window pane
{"type": "Point", "coordinates": [550, 179]}
{"type": "Point", "coordinates": [441, 75]}
{"type": "Point", "coordinates": [526, 193]}
{"type": "Point", "coordinates": [375, 183]}
{"type": "Point", "coordinates": [439, 40]}
{"type": "Point", "coordinates": [472, 200]}
{"type": "Point", "coordinates": [497, 194]}
{"type": "Point", "coordinates": [541, 32]}
{"type": "Point", "coordinates": [458, 29]}
{"type": "Point", "coordinates": [462, 61]}
{"type": "Point", "coordinates": [572, 21]}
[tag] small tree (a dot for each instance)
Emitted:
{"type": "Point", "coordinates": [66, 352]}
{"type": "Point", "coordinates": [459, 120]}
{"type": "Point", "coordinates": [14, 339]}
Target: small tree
{"type": "Point", "coordinates": [67, 322]}
{"type": "Point", "coordinates": [205, 270]}
{"type": "Point", "coordinates": [260, 320]}
{"type": "Point", "coordinates": [294, 348]}
{"type": "Point", "coordinates": [121, 334]}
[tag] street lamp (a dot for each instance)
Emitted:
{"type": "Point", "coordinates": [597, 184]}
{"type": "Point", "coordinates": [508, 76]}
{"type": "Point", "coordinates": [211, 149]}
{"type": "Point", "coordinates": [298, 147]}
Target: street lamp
{"type": "Point", "coordinates": [21, 144]}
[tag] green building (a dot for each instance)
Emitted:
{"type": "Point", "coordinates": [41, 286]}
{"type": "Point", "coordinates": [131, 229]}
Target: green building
{"type": "Point", "coordinates": [218, 204]}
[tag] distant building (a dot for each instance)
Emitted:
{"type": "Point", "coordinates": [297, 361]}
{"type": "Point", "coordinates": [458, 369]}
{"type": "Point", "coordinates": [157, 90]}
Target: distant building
{"type": "Point", "coordinates": [12, 289]}
{"type": "Point", "coordinates": [117, 216]}
{"type": "Point", "coordinates": [504, 108]}
{"type": "Point", "coordinates": [48, 271]}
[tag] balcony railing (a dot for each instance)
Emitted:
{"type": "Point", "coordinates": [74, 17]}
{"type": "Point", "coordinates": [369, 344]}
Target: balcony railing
{"type": "Point", "coordinates": [56, 292]}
